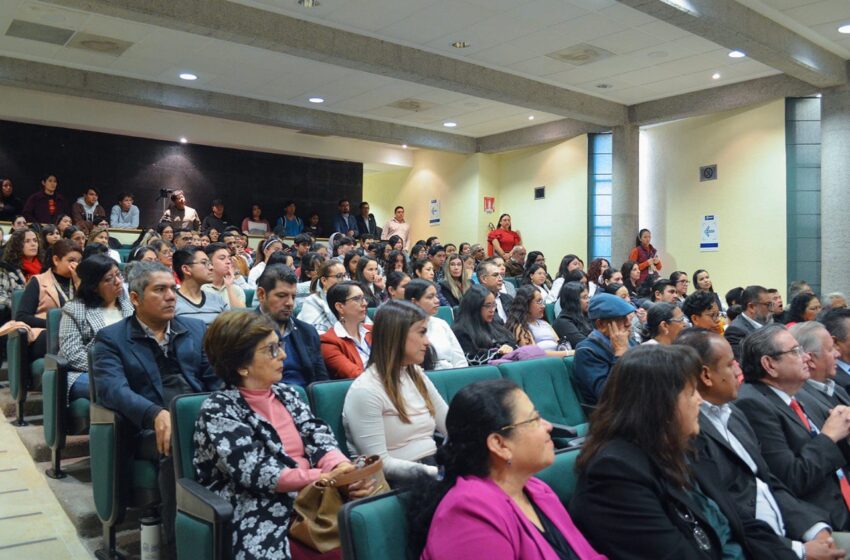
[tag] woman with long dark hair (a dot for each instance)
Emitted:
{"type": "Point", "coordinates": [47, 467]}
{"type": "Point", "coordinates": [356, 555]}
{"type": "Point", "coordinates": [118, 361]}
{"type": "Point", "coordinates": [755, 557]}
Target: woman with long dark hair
{"type": "Point", "coordinates": [527, 323]}
{"type": "Point", "coordinates": [480, 336]}
{"type": "Point", "coordinates": [501, 240]}
{"type": "Point", "coordinates": [595, 271]}
{"type": "Point", "coordinates": [631, 278]}
{"type": "Point", "coordinates": [804, 307]}
{"type": "Point", "coordinates": [392, 409]}
{"type": "Point", "coordinates": [634, 464]}
{"type": "Point", "coordinates": [537, 257]}
{"type": "Point", "coordinates": [20, 262]}
{"type": "Point", "coordinates": [664, 322]}
{"type": "Point", "coordinates": [536, 276]}
{"type": "Point", "coordinates": [395, 262]}
{"type": "Point", "coordinates": [371, 281]}
{"type": "Point", "coordinates": [702, 282]}
{"type": "Point", "coordinates": [646, 256]}
{"type": "Point", "coordinates": [447, 352]}
{"type": "Point", "coordinates": [488, 503]}
{"type": "Point", "coordinates": [315, 310]}
{"type": "Point", "coordinates": [569, 263]}
{"type": "Point", "coordinates": [573, 325]}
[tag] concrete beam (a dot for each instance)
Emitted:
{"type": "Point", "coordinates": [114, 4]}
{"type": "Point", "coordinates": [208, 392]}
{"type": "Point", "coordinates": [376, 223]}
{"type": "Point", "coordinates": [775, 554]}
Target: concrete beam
{"type": "Point", "coordinates": [555, 131]}
{"type": "Point", "coordinates": [737, 27]}
{"type": "Point", "coordinates": [95, 85]}
{"type": "Point", "coordinates": [244, 25]}
{"type": "Point", "coordinates": [722, 98]}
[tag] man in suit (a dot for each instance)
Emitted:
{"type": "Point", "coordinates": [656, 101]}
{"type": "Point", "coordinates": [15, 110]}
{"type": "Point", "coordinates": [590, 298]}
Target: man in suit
{"type": "Point", "coordinates": [597, 354]}
{"type": "Point", "coordinates": [820, 394]}
{"type": "Point", "coordinates": [344, 222]}
{"type": "Point", "coordinates": [142, 362]}
{"type": "Point", "coordinates": [491, 277]}
{"type": "Point", "coordinates": [728, 453]}
{"type": "Point", "coordinates": [757, 305]}
{"type": "Point", "coordinates": [837, 323]}
{"type": "Point", "coordinates": [276, 289]}
{"type": "Point", "coordinates": [366, 221]}
{"type": "Point", "coordinates": [806, 455]}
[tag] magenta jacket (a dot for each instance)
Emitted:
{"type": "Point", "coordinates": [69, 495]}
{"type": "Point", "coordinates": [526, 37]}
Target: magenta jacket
{"type": "Point", "coordinates": [476, 519]}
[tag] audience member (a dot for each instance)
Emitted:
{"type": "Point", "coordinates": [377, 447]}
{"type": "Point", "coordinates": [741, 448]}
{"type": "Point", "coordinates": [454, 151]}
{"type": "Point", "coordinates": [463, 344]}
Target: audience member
{"type": "Point", "coordinates": [835, 300]}
{"type": "Point", "coordinates": [268, 246]}
{"type": "Point", "coordinates": [702, 282]}
{"type": "Point", "coordinates": [804, 307]}
{"type": "Point", "coordinates": [597, 354]}
{"type": "Point", "coordinates": [237, 256]}
{"type": "Point", "coordinates": [179, 215]}
{"type": "Point", "coordinates": [488, 503]}
{"type": "Point", "coordinates": [276, 296]}
{"type": "Point", "coordinates": [396, 283]}
{"type": "Point", "coordinates": [526, 321]}
{"type": "Point", "coordinates": [479, 334]}
{"type": "Point", "coordinates": [194, 269]}
{"type": "Point", "coordinates": [664, 322]}
{"type": "Point", "coordinates": [315, 310]}
{"type": "Point", "coordinates": [663, 291]}
{"type": "Point", "coordinates": [680, 280]}
{"type": "Point", "coordinates": [820, 393]}
{"type": "Point", "coordinates": [301, 244]}
{"type": "Point", "coordinates": [397, 227]}
{"type": "Point", "coordinates": [100, 235]}
{"type": "Point", "coordinates": [595, 271]}
{"type": "Point", "coordinates": [223, 280]}
{"type": "Point", "coordinates": [254, 223]}
{"type": "Point", "coordinates": [536, 277]}
{"type": "Point", "coordinates": [489, 276]}
{"type": "Point", "coordinates": [437, 256]}
{"type": "Point", "coordinates": [44, 206]}
{"type": "Point", "coordinates": [631, 279]}
{"type": "Point", "coordinates": [347, 345]}
{"type": "Point", "coordinates": [86, 211]}
{"type": "Point", "coordinates": [445, 351]}
{"type": "Point", "coordinates": [371, 281]}
{"type": "Point", "coordinates": [289, 225]}
{"type": "Point", "coordinates": [515, 261]}
{"type": "Point", "coordinates": [344, 222]}
{"type": "Point", "coordinates": [313, 227]}
{"type": "Point", "coordinates": [342, 245]}
{"type": "Point", "coordinates": [837, 322]}
{"type": "Point", "coordinates": [702, 312]}
{"type": "Point", "coordinates": [392, 409]}
{"type": "Point", "coordinates": [455, 281]}
{"type": "Point", "coordinates": [757, 307]}
{"type": "Point", "coordinates": [125, 214]}
{"type": "Point", "coordinates": [256, 442]}
{"type": "Point", "coordinates": [568, 264]}
{"type": "Point", "coordinates": [646, 257]}
{"type": "Point", "coordinates": [572, 324]}
{"type": "Point", "coordinates": [366, 221]}
{"type": "Point", "coordinates": [49, 235]}
{"type": "Point", "coordinates": [501, 240]}
{"type": "Point", "coordinates": [10, 205]}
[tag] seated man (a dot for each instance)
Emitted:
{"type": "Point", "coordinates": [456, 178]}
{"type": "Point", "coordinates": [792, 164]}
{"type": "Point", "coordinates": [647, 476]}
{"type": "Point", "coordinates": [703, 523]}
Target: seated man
{"type": "Point", "coordinates": [757, 311]}
{"type": "Point", "coordinates": [194, 269]}
{"type": "Point", "coordinates": [596, 355]}
{"type": "Point", "coordinates": [729, 457]}
{"type": "Point", "coordinates": [808, 456]}
{"type": "Point", "coordinates": [276, 289]}
{"type": "Point", "coordinates": [142, 362]}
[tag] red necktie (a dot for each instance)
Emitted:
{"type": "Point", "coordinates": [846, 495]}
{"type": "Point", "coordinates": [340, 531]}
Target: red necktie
{"type": "Point", "coordinates": [842, 480]}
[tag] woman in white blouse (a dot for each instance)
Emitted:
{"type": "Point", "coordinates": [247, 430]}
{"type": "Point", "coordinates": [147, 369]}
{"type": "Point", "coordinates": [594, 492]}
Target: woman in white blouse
{"type": "Point", "coordinates": [447, 351]}
{"type": "Point", "coordinates": [315, 310]}
{"type": "Point", "coordinates": [392, 408]}
{"type": "Point", "coordinates": [536, 276]}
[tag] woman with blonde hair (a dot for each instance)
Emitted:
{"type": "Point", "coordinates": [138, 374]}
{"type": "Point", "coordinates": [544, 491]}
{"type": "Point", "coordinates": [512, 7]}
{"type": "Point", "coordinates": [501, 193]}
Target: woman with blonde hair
{"type": "Point", "coordinates": [392, 409]}
{"type": "Point", "coordinates": [456, 280]}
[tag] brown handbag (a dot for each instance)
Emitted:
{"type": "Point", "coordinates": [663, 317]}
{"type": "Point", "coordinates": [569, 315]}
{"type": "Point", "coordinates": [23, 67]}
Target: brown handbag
{"type": "Point", "coordinates": [317, 505]}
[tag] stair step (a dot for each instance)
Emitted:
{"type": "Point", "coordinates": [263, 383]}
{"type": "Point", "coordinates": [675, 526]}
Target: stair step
{"type": "Point", "coordinates": [32, 406]}
{"type": "Point", "coordinates": [32, 437]}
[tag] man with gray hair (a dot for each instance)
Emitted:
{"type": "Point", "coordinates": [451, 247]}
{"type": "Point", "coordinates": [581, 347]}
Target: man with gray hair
{"type": "Point", "coordinates": [820, 394]}
{"type": "Point", "coordinates": [143, 362]}
{"type": "Point", "coordinates": [835, 300]}
{"type": "Point", "coordinates": [837, 322]}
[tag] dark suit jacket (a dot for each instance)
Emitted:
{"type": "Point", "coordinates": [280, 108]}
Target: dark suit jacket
{"type": "Point", "coordinates": [506, 304]}
{"type": "Point", "coordinates": [842, 377]}
{"type": "Point", "coordinates": [368, 226]}
{"type": "Point", "coordinates": [806, 464]}
{"type": "Point", "coordinates": [716, 459]}
{"type": "Point", "coordinates": [343, 226]}
{"type": "Point", "coordinates": [736, 332]}
{"type": "Point", "coordinates": [628, 511]}
{"type": "Point", "coordinates": [305, 340]}
{"type": "Point", "coordinates": [127, 378]}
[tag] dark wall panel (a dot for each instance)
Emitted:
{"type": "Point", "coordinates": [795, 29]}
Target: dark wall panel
{"type": "Point", "coordinates": [115, 163]}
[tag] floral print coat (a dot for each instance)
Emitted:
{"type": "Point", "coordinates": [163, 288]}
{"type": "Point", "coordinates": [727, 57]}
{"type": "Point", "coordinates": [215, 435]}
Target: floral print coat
{"type": "Point", "coordinates": [239, 456]}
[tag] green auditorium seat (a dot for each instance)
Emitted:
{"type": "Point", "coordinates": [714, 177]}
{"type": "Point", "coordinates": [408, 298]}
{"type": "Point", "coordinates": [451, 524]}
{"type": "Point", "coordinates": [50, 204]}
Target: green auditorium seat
{"type": "Point", "coordinates": [374, 528]}
{"type": "Point", "coordinates": [449, 381]}
{"type": "Point", "coordinates": [370, 312]}
{"type": "Point", "coordinates": [119, 480]}
{"type": "Point", "coordinates": [25, 374]}
{"type": "Point", "coordinates": [445, 313]}
{"type": "Point", "coordinates": [327, 399]}
{"type": "Point", "coordinates": [561, 475]}
{"type": "Point", "coordinates": [60, 417]}
{"type": "Point", "coordinates": [124, 252]}
{"type": "Point", "coordinates": [550, 313]}
{"type": "Point", "coordinates": [249, 297]}
{"type": "Point", "coordinates": [511, 280]}
{"type": "Point", "coordinates": [547, 383]}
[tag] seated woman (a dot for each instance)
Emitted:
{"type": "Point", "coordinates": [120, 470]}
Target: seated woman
{"type": "Point", "coordinates": [350, 262]}
{"type": "Point", "coordinates": [481, 338]}
{"type": "Point", "coordinates": [424, 269]}
{"type": "Point", "coordinates": [702, 311]}
{"type": "Point", "coordinates": [392, 409]}
{"type": "Point", "coordinates": [256, 441]}
{"type": "Point", "coordinates": [395, 262]}
{"type": "Point", "coordinates": [49, 290]}
{"type": "Point", "coordinates": [664, 322]}
{"type": "Point", "coordinates": [101, 235]}
{"type": "Point", "coordinates": [573, 325]}
{"type": "Point", "coordinates": [371, 281]}
{"type": "Point", "coordinates": [536, 276]}
{"type": "Point", "coordinates": [49, 235]}
{"type": "Point", "coordinates": [595, 271]}
{"type": "Point", "coordinates": [537, 257]}
{"type": "Point", "coordinates": [526, 322]}
{"type": "Point", "coordinates": [680, 280]}
{"type": "Point", "coordinates": [456, 280]}
{"type": "Point", "coordinates": [634, 466]}
{"type": "Point", "coordinates": [804, 307]}
{"type": "Point", "coordinates": [488, 503]}
{"type": "Point", "coordinates": [347, 345]}
{"type": "Point", "coordinates": [20, 263]}
{"type": "Point", "coordinates": [569, 263]}
{"type": "Point", "coordinates": [631, 278]}
{"type": "Point", "coordinates": [702, 282]}
{"type": "Point", "coordinates": [307, 272]}
{"type": "Point", "coordinates": [315, 310]}
{"type": "Point", "coordinates": [396, 283]}
{"type": "Point", "coordinates": [100, 301]}
{"type": "Point", "coordinates": [445, 349]}
{"type": "Point", "coordinates": [267, 248]}
{"type": "Point", "coordinates": [255, 224]}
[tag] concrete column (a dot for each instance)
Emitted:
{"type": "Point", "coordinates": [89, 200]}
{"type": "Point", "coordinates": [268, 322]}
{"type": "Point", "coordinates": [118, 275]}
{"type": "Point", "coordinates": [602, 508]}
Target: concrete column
{"type": "Point", "coordinates": [835, 189]}
{"type": "Point", "coordinates": [625, 192]}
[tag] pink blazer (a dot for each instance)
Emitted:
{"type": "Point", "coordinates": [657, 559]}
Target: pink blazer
{"type": "Point", "coordinates": [477, 520]}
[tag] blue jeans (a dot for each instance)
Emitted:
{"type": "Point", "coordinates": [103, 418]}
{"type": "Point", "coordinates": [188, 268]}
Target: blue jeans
{"type": "Point", "coordinates": [80, 388]}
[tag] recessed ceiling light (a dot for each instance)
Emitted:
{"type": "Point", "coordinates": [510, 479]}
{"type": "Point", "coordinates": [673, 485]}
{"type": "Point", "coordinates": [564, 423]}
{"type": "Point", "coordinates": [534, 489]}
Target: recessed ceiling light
{"type": "Point", "coordinates": [404, 146]}
{"type": "Point", "coordinates": [188, 76]}
{"type": "Point", "coordinates": [308, 3]}
{"type": "Point", "coordinates": [844, 29]}
{"type": "Point", "coordinates": [531, 117]}
{"type": "Point", "coordinates": [316, 100]}
{"type": "Point", "coordinates": [715, 76]}
{"type": "Point", "coordinates": [737, 54]}
{"type": "Point", "coordinates": [183, 140]}
{"type": "Point", "coordinates": [449, 124]}
{"type": "Point", "coordinates": [460, 45]}
{"type": "Point", "coordinates": [604, 86]}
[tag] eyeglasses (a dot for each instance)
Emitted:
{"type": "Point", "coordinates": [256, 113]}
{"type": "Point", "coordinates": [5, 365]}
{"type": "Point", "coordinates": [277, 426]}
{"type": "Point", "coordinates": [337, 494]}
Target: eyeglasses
{"type": "Point", "coordinates": [795, 350]}
{"type": "Point", "coordinates": [489, 306]}
{"type": "Point", "coordinates": [112, 278]}
{"type": "Point", "coordinates": [339, 276]}
{"type": "Point", "coordinates": [683, 281]}
{"type": "Point", "coordinates": [534, 421]}
{"type": "Point", "coordinates": [207, 264]}
{"type": "Point", "coordinates": [358, 299]}
{"type": "Point", "coordinates": [274, 349]}
{"type": "Point", "coordinates": [495, 275]}
{"type": "Point", "coordinates": [768, 304]}
{"type": "Point", "coordinates": [679, 320]}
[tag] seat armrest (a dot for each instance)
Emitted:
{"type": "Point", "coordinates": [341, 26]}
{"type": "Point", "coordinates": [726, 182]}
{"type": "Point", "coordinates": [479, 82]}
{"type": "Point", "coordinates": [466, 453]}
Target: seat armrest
{"type": "Point", "coordinates": [198, 501]}
{"type": "Point", "coordinates": [563, 431]}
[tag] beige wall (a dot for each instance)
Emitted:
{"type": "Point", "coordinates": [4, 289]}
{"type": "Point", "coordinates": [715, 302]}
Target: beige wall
{"type": "Point", "coordinates": [748, 147]}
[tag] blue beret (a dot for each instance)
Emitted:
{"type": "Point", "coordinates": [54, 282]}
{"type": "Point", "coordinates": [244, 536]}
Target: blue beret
{"type": "Point", "coordinates": [608, 306]}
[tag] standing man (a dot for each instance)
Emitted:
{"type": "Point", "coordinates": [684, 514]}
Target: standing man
{"type": "Point", "coordinates": [304, 364]}
{"type": "Point", "coordinates": [397, 226]}
{"type": "Point", "coordinates": [86, 212]}
{"type": "Point", "coordinates": [216, 218]}
{"type": "Point", "coordinates": [344, 222]}
{"type": "Point", "coordinates": [194, 269]}
{"type": "Point", "coordinates": [43, 207]}
{"type": "Point", "coordinates": [366, 222]}
{"type": "Point", "coordinates": [179, 215]}
{"type": "Point", "coordinates": [125, 214]}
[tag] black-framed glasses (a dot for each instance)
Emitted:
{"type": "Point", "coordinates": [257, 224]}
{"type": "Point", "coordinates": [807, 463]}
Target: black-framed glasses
{"type": "Point", "coordinates": [531, 421]}
{"type": "Point", "coordinates": [339, 276]}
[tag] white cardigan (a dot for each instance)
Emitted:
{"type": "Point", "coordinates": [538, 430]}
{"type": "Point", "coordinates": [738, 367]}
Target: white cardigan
{"type": "Point", "coordinates": [444, 341]}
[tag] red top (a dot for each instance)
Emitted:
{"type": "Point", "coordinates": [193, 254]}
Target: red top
{"type": "Point", "coordinates": [507, 240]}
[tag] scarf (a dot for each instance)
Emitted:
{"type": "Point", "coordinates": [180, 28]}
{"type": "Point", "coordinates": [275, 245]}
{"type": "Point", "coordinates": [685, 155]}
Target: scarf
{"type": "Point", "coordinates": [30, 267]}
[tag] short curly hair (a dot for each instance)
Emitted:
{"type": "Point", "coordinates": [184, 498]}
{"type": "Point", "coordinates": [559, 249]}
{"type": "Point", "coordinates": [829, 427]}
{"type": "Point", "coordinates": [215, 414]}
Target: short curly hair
{"type": "Point", "coordinates": [231, 340]}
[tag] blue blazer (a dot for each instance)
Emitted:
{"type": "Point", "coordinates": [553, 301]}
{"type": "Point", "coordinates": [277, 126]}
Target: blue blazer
{"type": "Point", "coordinates": [126, 376]}
{"type": "Point", "coordinates": [339, 224]}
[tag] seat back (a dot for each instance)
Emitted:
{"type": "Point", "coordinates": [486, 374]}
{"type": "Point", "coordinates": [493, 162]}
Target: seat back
{"type": "Point", "coordinates": [511, 280]}
{"type": "Point", "coordinates": [249, 297]}
{"type": "Point", "coordinates": [370, 312]}
{"type": "Point", "coordinates": [374, 528]}
{"type": "Point", "coordinates": [445, 313]}
{"type": "Point", "coordinates": [17, 295]}
{"type": "Point", "coordinates": [53, 317]}
{"type": "Point", "coordinates": [561, 475]}
{"type": "Point", "coordinates": [550, 313]}
{"type": "Point", "coordinates": [327, 399]}
{"type": "Point", "coordinates": [547, 383]}
{"type": "Point", "coordinates": [184, 412]}
{"type": "Point", "coordinates": [449, 381]}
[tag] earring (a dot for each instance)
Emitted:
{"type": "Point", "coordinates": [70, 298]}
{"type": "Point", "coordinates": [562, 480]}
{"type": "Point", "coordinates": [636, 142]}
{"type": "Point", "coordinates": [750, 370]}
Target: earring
{"type": "Point", "coordinates": [510, 462]}
{"type": "Point", "coordinates": [243, 372]}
